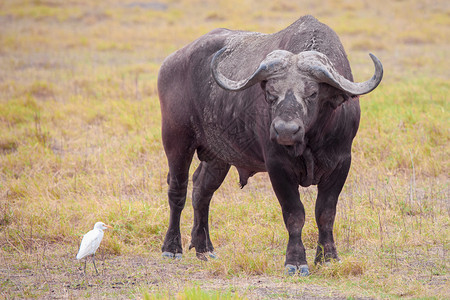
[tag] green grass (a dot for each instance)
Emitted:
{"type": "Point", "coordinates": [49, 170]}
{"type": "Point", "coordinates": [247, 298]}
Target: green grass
{"type": "Point", "coordinates": [194, 293]}
{"type": "Point", "coordinates": [80, 142]}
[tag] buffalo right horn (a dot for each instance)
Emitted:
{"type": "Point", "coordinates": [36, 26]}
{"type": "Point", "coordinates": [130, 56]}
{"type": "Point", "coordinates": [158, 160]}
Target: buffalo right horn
{"type": "Point", "coordinates": [273, 63]}
{"type": "Point", "coordinates": [319, 66]}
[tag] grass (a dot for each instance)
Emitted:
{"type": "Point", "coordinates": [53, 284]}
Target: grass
{"type": "Point", "coordinates": [80, 142]}
{"type": "Point", "coordinates": [194, 293]}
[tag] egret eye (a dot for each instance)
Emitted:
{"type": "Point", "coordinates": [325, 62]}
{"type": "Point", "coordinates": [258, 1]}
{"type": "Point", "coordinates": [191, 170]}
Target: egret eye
{"type": "Point", "coordinates": [271, 98]}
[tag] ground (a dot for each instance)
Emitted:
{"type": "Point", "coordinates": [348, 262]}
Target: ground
{"type": "Point", "coordinates": [136, 276]}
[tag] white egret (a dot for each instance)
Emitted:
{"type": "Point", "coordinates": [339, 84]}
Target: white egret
{"type": "Point", "coordinates": [90, 243]}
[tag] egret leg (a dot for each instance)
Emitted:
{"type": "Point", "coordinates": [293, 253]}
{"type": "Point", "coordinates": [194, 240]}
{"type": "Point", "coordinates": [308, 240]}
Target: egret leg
{"type": "Point", "coordinates": [85, 266]}
{"type": "Point", "coordinates": [93, 260]}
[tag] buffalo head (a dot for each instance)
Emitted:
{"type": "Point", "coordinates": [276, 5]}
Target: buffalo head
{"type": "Point", "coordinates": [296, 86]}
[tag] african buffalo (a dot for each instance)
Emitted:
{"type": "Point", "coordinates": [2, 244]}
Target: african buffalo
{"type": "Point", "coordinates": [282, 103]}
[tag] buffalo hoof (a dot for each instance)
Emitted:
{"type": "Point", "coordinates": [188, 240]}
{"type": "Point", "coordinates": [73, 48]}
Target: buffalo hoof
{"type": "Point", "coordinates": [170, 255]}
{"type": "Point", "coordinates": [206, 255]}
{"type": "Point", "coordinates": [302, 270]}
{"type": "Point", "coordinates": [166, 254]}
{"type": "Point", "coordinates": [290, 270]}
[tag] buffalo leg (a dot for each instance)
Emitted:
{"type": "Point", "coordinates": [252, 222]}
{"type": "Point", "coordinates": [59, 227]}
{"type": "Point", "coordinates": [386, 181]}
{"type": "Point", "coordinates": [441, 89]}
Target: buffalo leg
{"type": "Point", "coordinates": [286, 190]}
{"type": "Point", "coordinates": [207, 179]}
{"type": "Point", "coordinates": [327, 198]}
{"type": "Point", "coordinates": [179, 159]}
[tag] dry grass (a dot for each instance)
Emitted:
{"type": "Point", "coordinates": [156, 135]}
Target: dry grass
{"type": "Point", "coordinates": [80, 142]}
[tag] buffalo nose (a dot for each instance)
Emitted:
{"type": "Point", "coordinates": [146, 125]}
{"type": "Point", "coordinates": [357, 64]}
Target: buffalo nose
{"type": "Point", "coordinates": [286, 128]}
{"type": "Point", "coordinates": [287, 132]}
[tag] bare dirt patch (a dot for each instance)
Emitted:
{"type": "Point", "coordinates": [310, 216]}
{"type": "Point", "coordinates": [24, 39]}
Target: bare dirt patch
{"type": "Point", "coordinates": [61, 276]}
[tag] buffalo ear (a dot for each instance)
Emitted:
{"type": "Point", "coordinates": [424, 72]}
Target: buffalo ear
{"type": "Point", "coordinates": [338, 100]}
{"type": "Point", "coordinates": [333, 96]}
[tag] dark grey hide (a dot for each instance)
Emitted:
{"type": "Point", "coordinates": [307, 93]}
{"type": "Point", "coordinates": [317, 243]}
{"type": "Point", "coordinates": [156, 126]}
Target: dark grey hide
{"type": "Point", "coordinates": [282, 103]}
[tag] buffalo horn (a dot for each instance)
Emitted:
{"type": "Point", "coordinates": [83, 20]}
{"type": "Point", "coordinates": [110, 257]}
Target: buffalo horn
{"type": "Point", "coordinates": [322, 69]}
{"type": "Point", "coordinates": [267, 67]}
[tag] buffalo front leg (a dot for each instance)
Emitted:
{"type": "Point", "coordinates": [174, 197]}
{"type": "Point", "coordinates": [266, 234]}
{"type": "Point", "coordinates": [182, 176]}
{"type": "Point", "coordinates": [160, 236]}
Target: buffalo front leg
{"type": "Point", "coordinates": [207, 179]}
{"type": "Point", "coordinates": [327, 198]}
{"type": "Point", "coordinates": [286, 190]}
{"type": "Point", "coordinates": [178, 182]}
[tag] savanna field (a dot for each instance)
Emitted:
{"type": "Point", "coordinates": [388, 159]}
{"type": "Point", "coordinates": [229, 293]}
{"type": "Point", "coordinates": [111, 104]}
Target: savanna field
{"type": "Point", "coordinates": [80, 142]}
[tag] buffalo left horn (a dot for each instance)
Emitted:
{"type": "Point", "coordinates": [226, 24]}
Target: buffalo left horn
{"type": "Point", "coordinates": [319, 66]}
{"type": "Point", "coordinates": [274, 62]}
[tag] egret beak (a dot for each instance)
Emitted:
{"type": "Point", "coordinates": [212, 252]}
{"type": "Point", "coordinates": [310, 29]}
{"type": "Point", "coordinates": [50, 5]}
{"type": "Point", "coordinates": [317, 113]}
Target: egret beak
{"type": "Point", "coordinates": [109, 226]}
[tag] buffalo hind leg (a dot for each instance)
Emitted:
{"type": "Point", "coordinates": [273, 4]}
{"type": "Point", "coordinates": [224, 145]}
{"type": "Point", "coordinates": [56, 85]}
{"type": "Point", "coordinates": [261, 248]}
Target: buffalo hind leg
{"type": "Point", "coordinates": [207, 179]}
{"type": "Point", "coordinates": [327, 198]}
{"type": "Point", "coordinates": [286, 190]}
{"type": "Point", "coordinates": [179, 162]}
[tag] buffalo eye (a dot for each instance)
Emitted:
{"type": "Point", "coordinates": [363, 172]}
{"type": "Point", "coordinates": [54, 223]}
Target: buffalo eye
{"type": "Point", "coordinates": [263, 84]}
{"type": "Point", "coordinates": [271, 98]}
{"type": "Point", "coordinates": [312, 96]}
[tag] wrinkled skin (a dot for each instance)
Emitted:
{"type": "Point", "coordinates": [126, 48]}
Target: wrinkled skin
{"type": "Point", "coordinates": [288, 123]}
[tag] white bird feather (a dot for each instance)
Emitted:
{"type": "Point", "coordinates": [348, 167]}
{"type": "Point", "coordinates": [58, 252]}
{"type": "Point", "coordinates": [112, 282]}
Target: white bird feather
{"type": "Point", "coordinates": [91, 240]}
